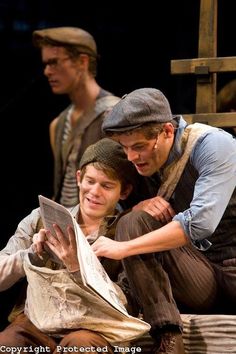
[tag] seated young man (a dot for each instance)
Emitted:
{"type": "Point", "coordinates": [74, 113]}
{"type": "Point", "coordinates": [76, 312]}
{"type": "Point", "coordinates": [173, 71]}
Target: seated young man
{"type": "Point", "coordinates": [105, 177]}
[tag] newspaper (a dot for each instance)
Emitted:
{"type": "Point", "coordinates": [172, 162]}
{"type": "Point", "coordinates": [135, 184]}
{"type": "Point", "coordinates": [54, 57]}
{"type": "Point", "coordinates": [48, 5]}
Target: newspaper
{"type": "Point", "coordinates": [92, 272]}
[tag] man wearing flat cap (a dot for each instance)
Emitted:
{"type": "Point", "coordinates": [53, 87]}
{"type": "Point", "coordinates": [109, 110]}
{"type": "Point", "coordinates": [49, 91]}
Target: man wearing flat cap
{"type": "Point", "coordinates": [59, 311]}
{"type": "Point", "coordinates": [186, 250]}
{"type": "Point", "coordinates": [69, 56]}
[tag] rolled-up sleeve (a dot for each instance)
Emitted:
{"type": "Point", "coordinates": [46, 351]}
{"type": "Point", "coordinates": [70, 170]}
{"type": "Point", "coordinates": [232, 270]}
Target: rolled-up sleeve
{"type": "Point", "coordinates": [214, 158]}
{"type": "Point", "coordinates": [11, 257]}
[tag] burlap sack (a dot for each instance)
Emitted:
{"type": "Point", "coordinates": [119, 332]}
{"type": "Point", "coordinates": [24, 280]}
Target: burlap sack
{"type": "Point", "coordinates": [56, 304]}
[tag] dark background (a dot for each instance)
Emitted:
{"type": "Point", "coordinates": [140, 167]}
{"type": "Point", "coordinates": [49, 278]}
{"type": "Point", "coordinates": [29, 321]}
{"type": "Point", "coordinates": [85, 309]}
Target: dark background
{"type": "Point", "coordinates": [136, 46]}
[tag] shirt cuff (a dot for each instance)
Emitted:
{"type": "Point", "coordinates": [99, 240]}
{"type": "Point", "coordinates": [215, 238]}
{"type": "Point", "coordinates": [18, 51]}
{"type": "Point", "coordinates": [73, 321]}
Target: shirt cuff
{"type": "Point", "coordinates": [185, 219]}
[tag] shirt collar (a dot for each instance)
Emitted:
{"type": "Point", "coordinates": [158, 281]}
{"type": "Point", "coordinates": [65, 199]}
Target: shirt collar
{"type": "Point", "coordinates": [108, 220]}
{"type": "Point", "coordinates": [176, 150]}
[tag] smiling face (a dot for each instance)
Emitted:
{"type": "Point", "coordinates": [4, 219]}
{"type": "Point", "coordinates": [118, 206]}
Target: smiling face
{"type": "Point", "coordinates": [98, 193]}
{"type": "Point", "coordinates": [147, 155]}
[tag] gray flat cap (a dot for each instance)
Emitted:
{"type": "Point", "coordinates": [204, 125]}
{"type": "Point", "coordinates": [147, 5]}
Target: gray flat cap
{"type": "Point", "coordinates": [67, 35]}
{"type": "Point", "coordinates": [145, 105]}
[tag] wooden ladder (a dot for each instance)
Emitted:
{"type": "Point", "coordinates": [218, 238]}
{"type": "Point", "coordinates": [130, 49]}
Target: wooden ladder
{"type": "Point", "coordinates": [205, 68]}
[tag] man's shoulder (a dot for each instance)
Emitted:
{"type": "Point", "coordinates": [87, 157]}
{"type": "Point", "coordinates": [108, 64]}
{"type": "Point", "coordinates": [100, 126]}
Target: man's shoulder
{"type": "Point", "coordinates": [215, 146]}
{"type": "Point", "coordinates": [103, 93]}
{"type": "Point", "coordinates": [104, 105]}
{"type": "Point", "coordinates": [63, 114]}
{"type": "Point", "coordinates": [107, 101]}
{"type": "Point", "coordinates": [216, 137]}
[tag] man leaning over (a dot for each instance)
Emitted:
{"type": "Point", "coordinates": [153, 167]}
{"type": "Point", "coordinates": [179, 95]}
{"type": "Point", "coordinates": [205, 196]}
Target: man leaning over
{"type": "Point", "coordinates": [181, 243]}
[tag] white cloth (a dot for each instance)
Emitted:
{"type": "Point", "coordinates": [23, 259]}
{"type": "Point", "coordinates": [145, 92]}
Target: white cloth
{"type": "Point", "coordinates": [56, 304]}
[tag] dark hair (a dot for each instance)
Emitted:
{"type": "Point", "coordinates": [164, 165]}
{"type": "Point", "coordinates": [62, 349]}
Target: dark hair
{"type": "Point", "coordinates": [74, 51]}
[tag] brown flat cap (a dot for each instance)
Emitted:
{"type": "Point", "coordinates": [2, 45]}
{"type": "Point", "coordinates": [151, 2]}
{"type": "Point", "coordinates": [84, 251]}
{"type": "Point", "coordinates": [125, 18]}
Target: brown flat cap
{"type": "Point", "coordinates": [110, 153]}
{"type": "Point", "coordinates": [67, 35]}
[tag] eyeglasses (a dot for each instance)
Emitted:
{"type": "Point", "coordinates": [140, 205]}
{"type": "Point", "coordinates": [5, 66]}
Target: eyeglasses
{"type": "Point", "coordinates": [55, 63]}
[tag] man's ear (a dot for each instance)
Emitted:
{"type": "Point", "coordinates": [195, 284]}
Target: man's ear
{"type": "Point", "coordinates": [78, 177]}
{"type": "Point", "coordinates": [84, 61]}
{"type": "Point", "coordinates": [125, 193]}
{"type": "Point", "coordinates": [168, 129]}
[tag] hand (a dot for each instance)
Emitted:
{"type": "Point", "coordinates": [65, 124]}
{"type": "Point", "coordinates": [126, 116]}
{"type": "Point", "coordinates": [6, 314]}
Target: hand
{"type": "Point", "coordinates": [157, 207]}
{"type": "Point", "coordinates": [105, 247]}
{"type": "Point", "coordinates": [64, 247]}
{"type": "Point", "coordinates": [229, 262]}
{"type": "Point", "coordinates": [38, 242]}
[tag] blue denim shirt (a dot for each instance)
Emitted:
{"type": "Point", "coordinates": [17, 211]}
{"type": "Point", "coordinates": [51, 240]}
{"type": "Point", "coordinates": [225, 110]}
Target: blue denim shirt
{"type": "Point", "coordinates": [207, 185]}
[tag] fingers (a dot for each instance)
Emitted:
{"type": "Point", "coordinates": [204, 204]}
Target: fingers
{"type": "Point", "coordinates": [105, 247]}
{"type": "Point", "coordinates": [139, 206]}
{"type": "Point", "coordinates": [62, 237]}
{"type": "Point", "coordinates": [164, 209]}
{"type": "Point", "coordinates": [157, 207]}
{"type": "Point", "coordinates": [40, 236]}
{"type": "Point", "coordinates": [39, 241]}
{"type": "Point", "coordinates": [229, 262]}
{"type": "Point", "coordinates": [51, 239]}
{"type": "Point", "coordinates": [57, 238]}
{"type": "Point", "coordinates": [64, 247]}
{"type": "Point", "coordinates": [71, 236]}
{"type": "Point", "coordinates": [97, 246]}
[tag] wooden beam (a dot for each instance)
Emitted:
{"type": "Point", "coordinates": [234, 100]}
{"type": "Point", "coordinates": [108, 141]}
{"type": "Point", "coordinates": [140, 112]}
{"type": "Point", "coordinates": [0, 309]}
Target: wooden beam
{"type": "Point", "coordinates": [209, 65]}
{"type": "Point", "coordinates": [222, 120]}
{"type": "Point", "coordinates": [206, 89]}
{"type": "Point", "coordinates": [205, 67]}
{"type": "Point", "coordinates": [207, 45]}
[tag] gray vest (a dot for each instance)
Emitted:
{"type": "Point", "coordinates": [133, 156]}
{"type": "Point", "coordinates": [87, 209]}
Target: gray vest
{"type": "Point", "coordinates": [87, 132]}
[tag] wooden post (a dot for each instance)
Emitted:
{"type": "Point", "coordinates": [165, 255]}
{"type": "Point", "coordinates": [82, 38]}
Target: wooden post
{"type": "Point", "coordinates": [207, 48]}
{"type": "Point", "coordinates": [206, 68]}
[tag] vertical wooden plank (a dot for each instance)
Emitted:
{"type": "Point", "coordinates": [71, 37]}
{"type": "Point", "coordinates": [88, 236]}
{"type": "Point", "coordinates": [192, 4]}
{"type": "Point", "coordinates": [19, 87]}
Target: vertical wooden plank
{"type": "Point", "coordinates": [207, 48]}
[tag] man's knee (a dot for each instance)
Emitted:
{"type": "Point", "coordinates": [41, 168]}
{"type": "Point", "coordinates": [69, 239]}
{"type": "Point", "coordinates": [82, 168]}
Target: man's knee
{"type": "Point", "coordinates": [83, 338]}
{"type": "Point", "coordinates": [134, 224]}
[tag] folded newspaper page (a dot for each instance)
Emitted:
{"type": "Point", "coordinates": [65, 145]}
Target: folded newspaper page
{"type": "Point", "coordinates": [92, 272]}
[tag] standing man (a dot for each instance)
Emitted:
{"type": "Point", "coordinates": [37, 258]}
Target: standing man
{"type": "Point", "coordinates": [69, 56]}
{"type": "Point", "coordinates": [181, 242]}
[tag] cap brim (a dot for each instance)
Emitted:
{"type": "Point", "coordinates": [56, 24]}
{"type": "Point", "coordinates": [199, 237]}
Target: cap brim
{"type": "Point", "coordinates": [123, 129]}
{"type": "Point", "coordinates": [131, 127]}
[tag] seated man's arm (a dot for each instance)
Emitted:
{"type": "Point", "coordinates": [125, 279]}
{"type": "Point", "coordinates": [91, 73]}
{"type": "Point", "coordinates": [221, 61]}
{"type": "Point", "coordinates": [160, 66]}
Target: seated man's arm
{"type": "Point", "coordinates": [12, 256]}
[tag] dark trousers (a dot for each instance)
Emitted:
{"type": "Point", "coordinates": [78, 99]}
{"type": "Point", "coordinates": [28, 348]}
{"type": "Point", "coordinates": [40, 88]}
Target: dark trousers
{"type": "Point", "coordinates": [170, 282]}
{"type": "Point", "coordinates": [22, 333]}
